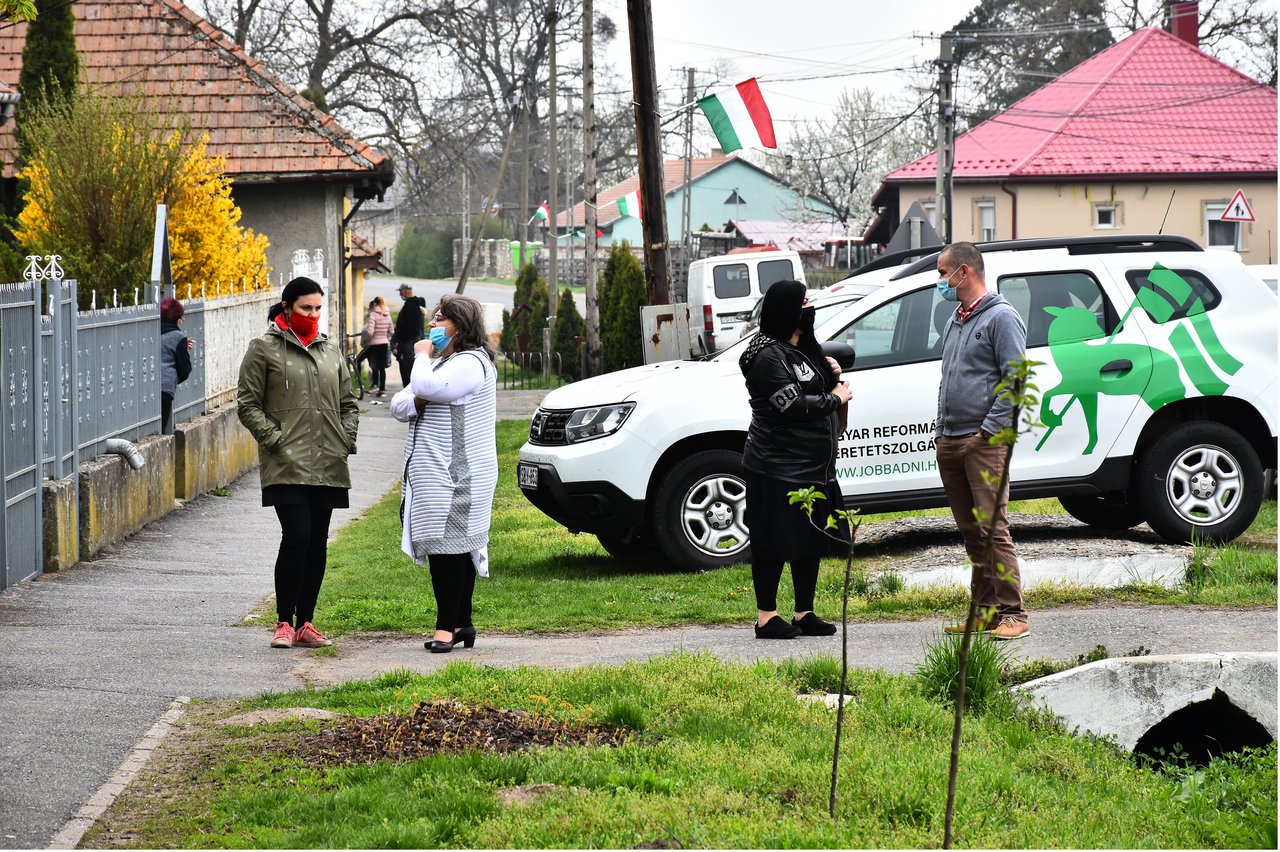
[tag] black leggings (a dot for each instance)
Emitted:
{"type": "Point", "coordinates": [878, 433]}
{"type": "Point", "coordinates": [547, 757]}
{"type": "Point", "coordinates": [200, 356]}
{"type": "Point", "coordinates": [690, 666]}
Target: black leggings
{"type": "Point", "coordinates": [453, 579]}
{"type": "Point", "coordinates": [766, 573]}
{"type": "Point", "coordinates": [304, 534]}
{"type": "Point", "coordinates": [376, 355]}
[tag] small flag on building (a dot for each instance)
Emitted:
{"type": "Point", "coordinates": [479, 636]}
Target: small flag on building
{"type": "Point", "coordinates": [739, 117]}
{"type": "Point", "coordinates": [543, 212]}
{"type": "Point", "coordinates": [629, 205]}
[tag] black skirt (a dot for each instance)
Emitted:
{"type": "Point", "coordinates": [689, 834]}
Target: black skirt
{"type": "Point", "coordinates": [782, 530]}
{"type": "Point", "coordinates": [320, 496]}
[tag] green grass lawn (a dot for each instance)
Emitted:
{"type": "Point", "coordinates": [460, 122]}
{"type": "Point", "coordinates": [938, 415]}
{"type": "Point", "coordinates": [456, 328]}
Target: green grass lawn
{"type": "Point", "coordinates": [722, 756]}
{"type": "Point", "coordinates": [546, 579]}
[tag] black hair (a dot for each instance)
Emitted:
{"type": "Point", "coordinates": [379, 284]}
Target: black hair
{"type": "Point", "coordinates": [294, 290]}
{"type": "Point", "coordinates": [780, 311]}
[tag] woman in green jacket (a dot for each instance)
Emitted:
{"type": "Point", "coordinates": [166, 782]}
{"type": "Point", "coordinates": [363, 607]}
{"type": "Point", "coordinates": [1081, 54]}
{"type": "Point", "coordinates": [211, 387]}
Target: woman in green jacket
{"type": "Point", "coordinates": [295, 397]}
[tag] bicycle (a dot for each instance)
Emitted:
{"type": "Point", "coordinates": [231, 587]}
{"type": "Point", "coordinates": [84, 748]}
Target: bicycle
{"type": "Point", "coordinates": [353, 363]}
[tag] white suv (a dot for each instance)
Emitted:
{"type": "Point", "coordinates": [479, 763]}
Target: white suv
{"type": "Point", "coordinates": [1158, 404]}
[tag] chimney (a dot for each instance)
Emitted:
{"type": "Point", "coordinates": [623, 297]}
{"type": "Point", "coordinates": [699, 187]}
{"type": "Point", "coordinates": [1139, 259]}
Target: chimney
{"type": "Point", "coordinates": [1184, 22]}
{"type": "Point", "coordinates": [717, 152]}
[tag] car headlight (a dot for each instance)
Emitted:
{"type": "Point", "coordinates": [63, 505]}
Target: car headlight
{"type": "Point", "coordinates": [587, 423]}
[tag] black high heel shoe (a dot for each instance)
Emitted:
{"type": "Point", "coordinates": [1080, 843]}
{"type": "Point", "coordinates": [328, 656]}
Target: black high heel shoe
{"type": "Point", "coordinates": [465, 635]}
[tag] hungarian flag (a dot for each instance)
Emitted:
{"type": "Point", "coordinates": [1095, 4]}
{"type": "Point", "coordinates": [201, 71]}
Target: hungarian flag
{"type": "Point", "coordinates": [543, 212]}
{"type": "Point", "coordinates": [739, 117]}
{"type": "Point", "coordinates": [629, 205]}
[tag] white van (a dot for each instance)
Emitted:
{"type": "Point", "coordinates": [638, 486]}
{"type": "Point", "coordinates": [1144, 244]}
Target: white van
{"type": "Point", "coordinates": [724, 289]}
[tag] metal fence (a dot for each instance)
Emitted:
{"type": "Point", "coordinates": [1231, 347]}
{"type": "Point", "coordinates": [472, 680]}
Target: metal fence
{"type": "Point", "coordinates": [70, 380]}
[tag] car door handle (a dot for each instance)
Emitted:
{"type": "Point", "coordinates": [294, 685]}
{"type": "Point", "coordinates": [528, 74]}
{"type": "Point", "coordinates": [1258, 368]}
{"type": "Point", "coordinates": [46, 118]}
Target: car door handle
{"type": "Point", "coordinates": [1120, 365]}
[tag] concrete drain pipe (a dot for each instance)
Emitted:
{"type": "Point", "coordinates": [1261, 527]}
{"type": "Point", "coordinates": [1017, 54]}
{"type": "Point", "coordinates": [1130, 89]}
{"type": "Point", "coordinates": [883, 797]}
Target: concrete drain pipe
{"type": "Point", "coordinates": [121, 447]}
{"type": "Point", "coordinates": [1208, 704]}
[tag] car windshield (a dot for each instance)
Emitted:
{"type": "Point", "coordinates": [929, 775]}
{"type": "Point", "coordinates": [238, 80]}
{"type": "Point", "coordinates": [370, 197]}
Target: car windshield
{"type": "Point", "coordinates": [822, 313]}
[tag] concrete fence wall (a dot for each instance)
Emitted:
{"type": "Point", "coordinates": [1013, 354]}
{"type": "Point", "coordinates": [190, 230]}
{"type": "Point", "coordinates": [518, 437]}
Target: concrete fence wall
{"type": "Point", "coordinates": [110, 501]}
{"type": "Point", "coordinates": [230, 322]}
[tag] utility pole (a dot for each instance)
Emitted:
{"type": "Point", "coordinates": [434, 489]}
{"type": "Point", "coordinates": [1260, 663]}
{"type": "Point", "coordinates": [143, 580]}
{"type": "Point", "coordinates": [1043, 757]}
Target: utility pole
{"type": "Point", "coordinates": [466, 214]}
{"type": "Point", "coordinates": [524, 181]}
{"type": "Point", "coordinates": [946, 140]}
{"type": "Point", "coordinates": [686, 196]}
{"type": "Point", "coordinates": [595, 352]}
{"type": "Point", "coordinates": [644, 86]}
{"type": "Point", "coordinates": [553, 288]}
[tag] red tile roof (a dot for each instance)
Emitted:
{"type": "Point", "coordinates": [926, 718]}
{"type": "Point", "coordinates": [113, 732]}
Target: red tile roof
{"type": "Point", "coordinates": [672, 179]}
{"type": "Point", "coordinates": [1149, 105]}
{"type": "Point", "coordinates": [266, 130]}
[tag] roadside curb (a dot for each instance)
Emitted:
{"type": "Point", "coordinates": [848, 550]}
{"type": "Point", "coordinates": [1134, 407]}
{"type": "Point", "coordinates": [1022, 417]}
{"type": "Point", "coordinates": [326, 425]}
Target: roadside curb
{"type": "Point", "coordinates": [73, 831]}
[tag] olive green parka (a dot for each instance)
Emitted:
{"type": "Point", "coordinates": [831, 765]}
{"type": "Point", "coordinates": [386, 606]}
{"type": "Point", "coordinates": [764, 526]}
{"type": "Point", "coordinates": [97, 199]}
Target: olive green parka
{"type": "Point", "coordinates": [298, 404]}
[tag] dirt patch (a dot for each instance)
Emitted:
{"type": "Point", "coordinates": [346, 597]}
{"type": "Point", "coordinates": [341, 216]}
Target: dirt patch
{"type": "Point", "coordinates": [267, 717]}
{"type": "Point", "coordinates": [922, 543]}
{"type": "Point", "coordinates": [445, 726]}
{"type": "Point", "coordinates": [527, 794]}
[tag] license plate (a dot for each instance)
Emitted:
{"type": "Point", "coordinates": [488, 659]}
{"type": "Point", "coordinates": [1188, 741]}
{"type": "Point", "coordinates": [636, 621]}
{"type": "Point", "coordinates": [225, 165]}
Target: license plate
{"type": "Point", "coordinates": [528, 475]}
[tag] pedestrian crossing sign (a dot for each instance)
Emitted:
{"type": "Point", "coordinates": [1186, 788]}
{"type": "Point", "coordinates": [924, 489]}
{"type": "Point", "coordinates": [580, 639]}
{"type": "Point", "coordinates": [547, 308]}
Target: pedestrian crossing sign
{"type": "Point", "coordinates": [1238, 210]}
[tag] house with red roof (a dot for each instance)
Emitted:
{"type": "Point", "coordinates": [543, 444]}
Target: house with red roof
{"type": "Point", "coordinates": [296, 173]}
{"type": "Point", "coordinates": [1149, 135]}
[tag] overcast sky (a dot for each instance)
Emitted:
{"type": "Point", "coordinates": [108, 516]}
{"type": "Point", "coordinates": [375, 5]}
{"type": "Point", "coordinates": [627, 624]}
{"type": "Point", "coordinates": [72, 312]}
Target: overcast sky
{"type": "Point", "coordinates": [805, 52]}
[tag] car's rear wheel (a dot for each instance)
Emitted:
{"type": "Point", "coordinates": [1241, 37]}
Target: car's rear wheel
{"type": "Point", "coordinates": [700, 514]}
{"type": "Point", "coordinates": [1202, 479]}
{"type": "Point", "coordinates": [1107, 513]}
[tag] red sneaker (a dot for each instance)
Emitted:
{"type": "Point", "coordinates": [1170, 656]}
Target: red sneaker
{"type": "Point", "coordinates": [284, 635]}
{"type": "Point", "coordinates": [308, 637]}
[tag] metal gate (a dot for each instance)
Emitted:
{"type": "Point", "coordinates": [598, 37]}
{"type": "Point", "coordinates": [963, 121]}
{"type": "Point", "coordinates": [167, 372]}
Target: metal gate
{"type": "Point", "coordinates": [22, 422]}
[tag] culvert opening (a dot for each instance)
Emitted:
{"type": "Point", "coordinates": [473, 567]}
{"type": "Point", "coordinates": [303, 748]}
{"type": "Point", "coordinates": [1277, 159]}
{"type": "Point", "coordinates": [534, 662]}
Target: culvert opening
{"type": "Point", "coordinates": [1200, 732]}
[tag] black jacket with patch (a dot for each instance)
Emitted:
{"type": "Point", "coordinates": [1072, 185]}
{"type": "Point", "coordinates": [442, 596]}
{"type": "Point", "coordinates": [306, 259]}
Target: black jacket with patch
{"type": "Point", "coordinates": [793, 430]}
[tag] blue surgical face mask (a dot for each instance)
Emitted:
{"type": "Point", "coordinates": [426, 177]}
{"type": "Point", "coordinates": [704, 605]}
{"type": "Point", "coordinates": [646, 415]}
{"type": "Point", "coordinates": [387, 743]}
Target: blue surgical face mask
{"type": "Point", "coordinates": [439, 339]}
{"type": "Point", "coordinates": [944, 287]}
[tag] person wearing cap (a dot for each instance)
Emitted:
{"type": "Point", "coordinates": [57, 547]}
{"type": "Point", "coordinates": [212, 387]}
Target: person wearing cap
{"type": "Point", "coordinates": [410, 325]}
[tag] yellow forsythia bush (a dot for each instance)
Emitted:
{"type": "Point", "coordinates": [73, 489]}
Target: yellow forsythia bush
{"type": "Point", "coordinates": [205, 242]}
{"type": "Point", "coordinates": [100, 167]}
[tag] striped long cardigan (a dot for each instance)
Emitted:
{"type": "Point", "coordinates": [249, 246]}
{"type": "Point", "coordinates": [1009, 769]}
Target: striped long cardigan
{"type": "Point", "coordinates": [451, 466]}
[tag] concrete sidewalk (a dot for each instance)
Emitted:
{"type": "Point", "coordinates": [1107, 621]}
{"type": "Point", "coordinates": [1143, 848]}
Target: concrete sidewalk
{"type": "Point", "coordinates": [92, 656]}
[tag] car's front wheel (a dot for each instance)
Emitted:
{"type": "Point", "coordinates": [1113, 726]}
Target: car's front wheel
{"type": "Point", "coordinates": [1200, 479]}
{"type": "Point", "coordinates": [700, 514]}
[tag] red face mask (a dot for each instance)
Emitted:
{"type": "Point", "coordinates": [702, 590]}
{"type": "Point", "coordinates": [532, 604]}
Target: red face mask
{"type": "Point", "coordinates": [304, 325]}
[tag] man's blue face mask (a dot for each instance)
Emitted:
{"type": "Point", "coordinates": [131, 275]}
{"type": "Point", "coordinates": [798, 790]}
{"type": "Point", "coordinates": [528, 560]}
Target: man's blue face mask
{"type": "Point", "coordinates": [944, 287]}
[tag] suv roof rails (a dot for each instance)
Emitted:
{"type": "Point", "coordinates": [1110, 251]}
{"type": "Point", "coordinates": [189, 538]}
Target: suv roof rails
{"type": "Point", "coordinates": [897, 258]}
{"type": "Point", "coordinates": [1074, 245]}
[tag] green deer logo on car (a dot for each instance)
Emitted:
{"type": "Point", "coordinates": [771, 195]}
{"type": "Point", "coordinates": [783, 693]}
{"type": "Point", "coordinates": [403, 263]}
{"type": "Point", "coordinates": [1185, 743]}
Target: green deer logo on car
{"type": "Point", "coordinates": [1090, 369]}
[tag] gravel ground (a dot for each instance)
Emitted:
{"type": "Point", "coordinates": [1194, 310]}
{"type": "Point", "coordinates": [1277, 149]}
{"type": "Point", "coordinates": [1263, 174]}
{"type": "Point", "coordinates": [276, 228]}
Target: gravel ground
{"type": "Point", "coordinates": [922, 543]}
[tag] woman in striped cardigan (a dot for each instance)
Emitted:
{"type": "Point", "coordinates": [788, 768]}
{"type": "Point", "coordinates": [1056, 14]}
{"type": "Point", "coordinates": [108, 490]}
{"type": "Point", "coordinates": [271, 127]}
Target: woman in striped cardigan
{"type": "Point", "coordinates": [451, 462]}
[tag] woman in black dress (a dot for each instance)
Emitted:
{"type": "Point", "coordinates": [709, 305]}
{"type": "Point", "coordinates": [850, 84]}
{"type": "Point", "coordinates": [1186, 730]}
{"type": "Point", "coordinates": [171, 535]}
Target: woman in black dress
{"type": "Point", "coordinates": [795, 402]}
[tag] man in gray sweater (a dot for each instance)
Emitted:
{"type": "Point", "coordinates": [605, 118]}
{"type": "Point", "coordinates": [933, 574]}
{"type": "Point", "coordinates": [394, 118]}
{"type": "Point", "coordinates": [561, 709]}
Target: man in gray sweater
{"type": "Point", "coordinates": [979, 341]}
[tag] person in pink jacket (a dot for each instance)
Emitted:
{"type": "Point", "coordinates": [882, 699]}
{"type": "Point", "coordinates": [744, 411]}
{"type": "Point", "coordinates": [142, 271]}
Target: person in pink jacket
{"type": "Point", "coordinates": [377, 339]}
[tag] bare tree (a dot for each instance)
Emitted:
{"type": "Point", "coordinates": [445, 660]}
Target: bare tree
{"type": "Point", "coordinates": [1241, 33]}
{"type": "Point", "coordinates": [841, 162]}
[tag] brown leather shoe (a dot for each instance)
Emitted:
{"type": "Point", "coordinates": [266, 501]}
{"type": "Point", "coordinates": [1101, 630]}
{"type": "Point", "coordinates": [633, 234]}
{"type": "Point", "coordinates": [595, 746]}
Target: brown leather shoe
{"type": "Point", "coordinates": [1011, 628]}
{"type": "Point", "coordinates": [980, 625]}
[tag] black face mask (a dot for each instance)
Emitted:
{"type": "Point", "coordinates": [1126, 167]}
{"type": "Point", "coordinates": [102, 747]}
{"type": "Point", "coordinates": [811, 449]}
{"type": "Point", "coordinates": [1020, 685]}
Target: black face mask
{"type": "Point", "coordinates": [807, 317]}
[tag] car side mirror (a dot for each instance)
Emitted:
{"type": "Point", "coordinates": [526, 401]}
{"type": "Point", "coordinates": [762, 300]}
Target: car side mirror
{"type": "Point", "coordinates": [841, 351]}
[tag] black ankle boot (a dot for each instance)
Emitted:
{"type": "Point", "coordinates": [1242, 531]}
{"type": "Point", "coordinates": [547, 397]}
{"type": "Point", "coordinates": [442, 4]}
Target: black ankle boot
{"type": "Point", "coordinates": [811, 625]}
{"type": "Point", "coordinates": [776, 628]}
